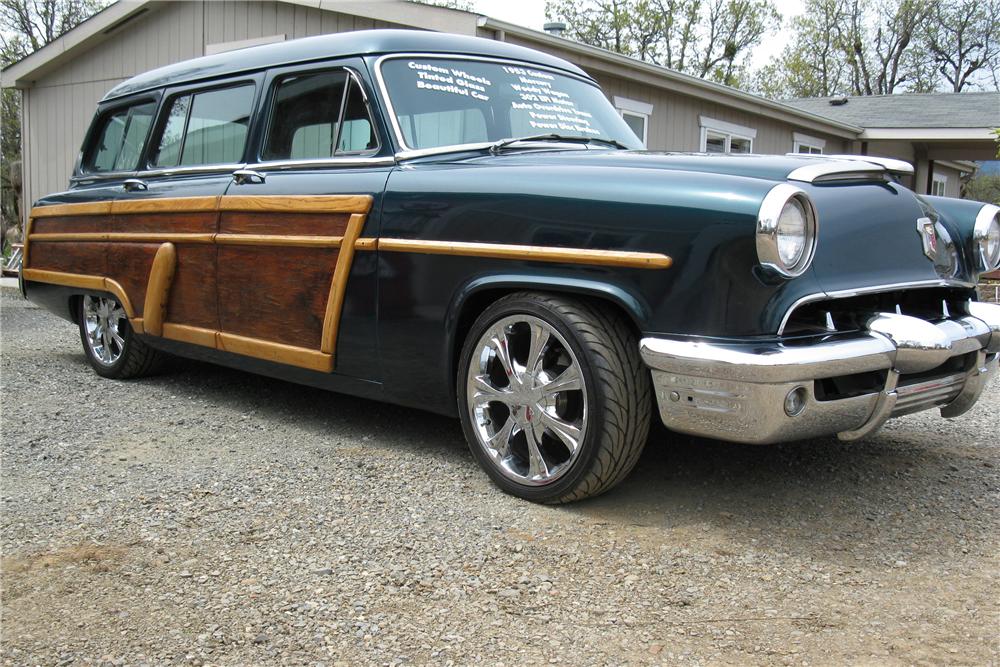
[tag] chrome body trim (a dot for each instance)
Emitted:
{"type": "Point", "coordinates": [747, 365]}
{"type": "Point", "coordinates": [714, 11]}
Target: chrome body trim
{"type": "Point", "coordinates": [891, 165]}
{"type": "Point", "coordinates": [735, 389]}
{"type": "Point", "coordinates": [767, 229]}
{"type": "Point", "coordinates": [837, 170]}
{"type": "Point", "coordinates": [988, 314]}
{"type": "Point", "coordinates": [859, 291]}
{"type": "Point", "coordinates": [986, 216]}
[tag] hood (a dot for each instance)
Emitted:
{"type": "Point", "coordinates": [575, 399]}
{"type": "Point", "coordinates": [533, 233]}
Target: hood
{"type": "Point", "coordinates": [767, 167]}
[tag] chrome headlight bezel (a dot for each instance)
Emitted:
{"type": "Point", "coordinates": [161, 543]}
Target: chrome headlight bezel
{"type": "Point", "coordinates": [767, 230]}
{"type": "Point", "coordinates": [987, 219]}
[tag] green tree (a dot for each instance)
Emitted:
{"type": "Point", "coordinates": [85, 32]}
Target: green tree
{"type": "Point", "coordinates": [28, 25]}
{"type": "Point", "coordinates": [707, 38]}
{"type": "Point", "coordinates": [963, 39]}
{"type": "Point", "coordinates": [984, 188]}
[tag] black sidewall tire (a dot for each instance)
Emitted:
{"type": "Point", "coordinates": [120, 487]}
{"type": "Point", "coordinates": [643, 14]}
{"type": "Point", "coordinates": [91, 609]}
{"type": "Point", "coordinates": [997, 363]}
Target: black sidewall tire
{"type": "Point", "coordinates": [555, 491]}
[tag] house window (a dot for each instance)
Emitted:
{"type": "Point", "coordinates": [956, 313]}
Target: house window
{"type": "Point", "coordinates": [719, 136]}
{"type": "Point", "coordinates": [636, 115]}
{"type": "Point", "coordinates": [939, 185]}
{"type": "Point", "coordinates": [803, 143]}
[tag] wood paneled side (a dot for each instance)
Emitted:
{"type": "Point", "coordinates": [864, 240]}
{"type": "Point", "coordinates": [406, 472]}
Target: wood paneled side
{"type": "Point", "coordinates": [84, 258]}
{"type": "Point", "coordinates": [192, 297]}
{"type": "Point", "coordinates": [274, 295]}
{"type": "Point", "coordinates": [72, 224]}
{"type": "Point", "coordinates": [292, 224]}
{"type": "Point", "coordinates": [129, 265]}
{"type": "Point", "coordinates": [173, 223]}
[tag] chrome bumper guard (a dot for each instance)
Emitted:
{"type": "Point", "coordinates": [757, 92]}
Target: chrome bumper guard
{"type": "Point", "coordinates": [764, 392]}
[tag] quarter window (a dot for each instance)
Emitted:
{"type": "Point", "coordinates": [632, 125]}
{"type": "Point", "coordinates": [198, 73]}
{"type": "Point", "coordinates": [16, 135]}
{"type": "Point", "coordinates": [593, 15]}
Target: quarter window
{"type": "Point", "coordinates": [206, 128]}
{"type": "Point", "coordinates": [317, 116]}
{"type": "Point", "coordinates": [121, 138]}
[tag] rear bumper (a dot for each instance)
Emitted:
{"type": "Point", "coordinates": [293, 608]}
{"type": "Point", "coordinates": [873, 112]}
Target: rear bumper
{"type": "Point", "coordinates": [848, 384]}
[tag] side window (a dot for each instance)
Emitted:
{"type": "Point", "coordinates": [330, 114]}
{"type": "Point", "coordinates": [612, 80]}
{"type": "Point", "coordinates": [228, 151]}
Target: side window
{"type": "Point", "coordinates": [205, 128]}
{"type": "Point", "coordinates": [120, 139]}
{"type": "Point", "coordinates": [316, 116]}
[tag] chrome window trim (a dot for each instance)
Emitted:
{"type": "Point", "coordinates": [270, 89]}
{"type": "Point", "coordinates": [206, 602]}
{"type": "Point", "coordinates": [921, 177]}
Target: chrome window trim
{"type": "Point", "coordinates": [193, 169]}
{"type": "Point", "coordinates": [860, 291]}
{"type": "Point", "coordinates": [320, 162]}
{"type": "Point", "coordinates": [407, 152]}
{"type": "Point", "coordinates": [767, 229]}
{"type": "Point", "coordinates": [987, 214]}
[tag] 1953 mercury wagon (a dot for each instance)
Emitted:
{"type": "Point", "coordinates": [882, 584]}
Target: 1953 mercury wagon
{"type": "Point", "coordinates": [469, 227]}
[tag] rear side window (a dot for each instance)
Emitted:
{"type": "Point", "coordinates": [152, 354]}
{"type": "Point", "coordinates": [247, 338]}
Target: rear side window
{"type": "Point", "coordinates": [120, 139]}
{"type": "Point", "coordinates": [318, 115]}
{"type": "Point", "coordinates": [205, 128]}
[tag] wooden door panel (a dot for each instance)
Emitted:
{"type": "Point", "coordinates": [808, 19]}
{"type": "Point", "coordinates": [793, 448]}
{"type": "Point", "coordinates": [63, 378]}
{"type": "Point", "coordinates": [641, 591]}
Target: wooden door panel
{"type": "Point", "coordinates": [173, 223]}
{"type": "Point", "coordinates": [290, 224]}
{"type": "Point", "coordinates": [193, 296]}
{"type": "Point", "coordinates": [276, 294]}
{"type": "Point", "coordinates": [86, 258]}
{"type": "Point", "coordinates": [69, 224]}
{"type": "Point", "coordinates": [129, 264]}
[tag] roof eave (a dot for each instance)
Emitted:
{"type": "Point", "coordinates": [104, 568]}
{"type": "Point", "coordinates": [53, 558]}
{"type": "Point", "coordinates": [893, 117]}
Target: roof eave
{"type": "Point", "coordinates": [832, 126]}
{"type": "Point", "coordinates": [26, 71]}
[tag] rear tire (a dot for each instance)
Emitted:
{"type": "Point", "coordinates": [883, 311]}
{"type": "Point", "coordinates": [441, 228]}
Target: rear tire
{"type": "Point", "coordinates": [553, 396]}
{"type": "Point", "coordinates": [112, 348]}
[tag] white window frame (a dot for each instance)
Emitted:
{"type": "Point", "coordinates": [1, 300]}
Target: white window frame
{"type": "Point", "coordinates": [800, 141]}
{"type": "Point", "coordinates": [724, 129]}
{"type": "Point", "coordinates": [636, 109]}
{"type": "Point", "coordinates": [936, 180]}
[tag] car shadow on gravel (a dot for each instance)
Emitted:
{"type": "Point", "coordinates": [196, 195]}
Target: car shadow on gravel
{"type": "Point", "coordinates": [812, 495]}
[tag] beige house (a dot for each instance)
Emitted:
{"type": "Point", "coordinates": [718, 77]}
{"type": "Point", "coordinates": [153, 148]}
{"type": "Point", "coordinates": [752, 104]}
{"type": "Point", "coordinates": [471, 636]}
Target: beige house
{"type": "Point", "coordinates": [62, 83]}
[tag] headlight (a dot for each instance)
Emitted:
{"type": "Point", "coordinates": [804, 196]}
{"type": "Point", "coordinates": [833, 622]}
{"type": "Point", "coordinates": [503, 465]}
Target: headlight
{"type": "Point", "coordinates": [986, 235]}
{"type": "Point", "coordinates": [786, 230]}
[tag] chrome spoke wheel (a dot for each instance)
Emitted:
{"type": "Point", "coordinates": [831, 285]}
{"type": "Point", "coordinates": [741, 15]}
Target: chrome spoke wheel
{"type": "Point", "coordinates": [104, 322]}
{"type": "Point", "coordinates": [527, 400]}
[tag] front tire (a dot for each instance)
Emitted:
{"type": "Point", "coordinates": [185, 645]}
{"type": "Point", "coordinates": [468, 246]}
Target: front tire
{"type": "Point", "coordinates": [553, 397]}
{"type": "Point", "coordinates": [111, 346]}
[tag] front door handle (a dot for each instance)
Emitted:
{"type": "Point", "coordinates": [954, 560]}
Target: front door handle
{"type": "Point", "coordinates": [134, 185]}
{"type": "Point", "coordinates": [247, 176]}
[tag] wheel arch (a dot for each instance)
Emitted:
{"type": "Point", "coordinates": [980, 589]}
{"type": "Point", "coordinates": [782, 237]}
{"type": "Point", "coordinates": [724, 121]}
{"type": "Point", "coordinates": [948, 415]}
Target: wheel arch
{"type": "Point", "coordinates": [478, 294]}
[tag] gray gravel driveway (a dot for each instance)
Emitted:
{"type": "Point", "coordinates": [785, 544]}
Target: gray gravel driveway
{"type": "Point", "coordinates": [208, 516]}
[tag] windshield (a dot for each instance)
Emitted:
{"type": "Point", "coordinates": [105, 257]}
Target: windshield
{"type": "Point", "coordinates": [452, 101]}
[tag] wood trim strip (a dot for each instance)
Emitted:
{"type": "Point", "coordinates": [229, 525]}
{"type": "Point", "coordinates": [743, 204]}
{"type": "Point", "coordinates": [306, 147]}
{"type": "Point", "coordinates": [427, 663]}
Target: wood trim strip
{"type": "Point", "coordinates": [623, 258]}
{"type": "Point", "coordinates": [161, 277]}
{"type": "Point", "coordinates": [27, 243]}
{"type": "Point", "coordinates": [127, 237]}
{"type": "Point", "coordinates": [166, 205]}
{"type": "Point", "coordinates": [367, 243]}
{"type": "Point", "coordinates": [83, 208]}
{"type": "Point", "coordinates": [298, 204]}
{"type": "Point", "coordinates": [338, 286]}
{"type": "Point", "coordinates": [279, 240]}
{"type": "Point", "coordinates": [189, 334]}
{"type": "Point", "coordinates": [96, 283]}
{"type": "Point", "coordinates": [138, 326]}
{"type": "Point", "coordinates": [277, 352]}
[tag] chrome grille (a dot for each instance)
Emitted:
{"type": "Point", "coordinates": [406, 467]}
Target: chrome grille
{"type": "Point", "coordinates": [925, 394]}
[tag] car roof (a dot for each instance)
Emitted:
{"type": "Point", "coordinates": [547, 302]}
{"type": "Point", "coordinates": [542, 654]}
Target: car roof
{"type": "Point", "coordinates": [346, 44]}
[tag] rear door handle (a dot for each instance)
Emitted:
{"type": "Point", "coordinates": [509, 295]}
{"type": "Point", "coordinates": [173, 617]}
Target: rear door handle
{"type": "Point", "coordinates": [247, 176]}
{"type": "Point", "coordinates": [134, 185]}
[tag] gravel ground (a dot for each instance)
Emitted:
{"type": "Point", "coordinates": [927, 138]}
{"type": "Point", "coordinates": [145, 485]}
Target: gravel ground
{"type": "Point", "coordinates": [208, 516]}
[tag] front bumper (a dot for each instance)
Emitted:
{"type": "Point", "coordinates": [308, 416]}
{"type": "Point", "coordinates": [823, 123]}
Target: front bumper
{"type": "Point", "coordinates": [845, 383]}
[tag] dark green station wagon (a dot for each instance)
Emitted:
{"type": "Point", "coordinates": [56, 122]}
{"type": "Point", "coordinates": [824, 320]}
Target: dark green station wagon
{"type": "Point", "coordinates": [469, 227]}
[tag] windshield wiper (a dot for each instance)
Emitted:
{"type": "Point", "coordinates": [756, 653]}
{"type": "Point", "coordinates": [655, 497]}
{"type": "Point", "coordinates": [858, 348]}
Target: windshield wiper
{"type": "Point", "coordinates": [503, 143]}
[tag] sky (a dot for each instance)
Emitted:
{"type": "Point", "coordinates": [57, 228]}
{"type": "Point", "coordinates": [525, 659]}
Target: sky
{"type": "Point", "coordinates": [531, 14]}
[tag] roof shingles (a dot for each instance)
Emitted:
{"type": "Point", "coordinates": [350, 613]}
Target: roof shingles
{"type": "Point", "coordinates": [912, 110]}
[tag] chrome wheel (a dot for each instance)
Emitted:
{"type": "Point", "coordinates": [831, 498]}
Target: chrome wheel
{"type": "Point", "coordinates": [104, 320]}
{"type": "Point", "coordinates": [526, 400]}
